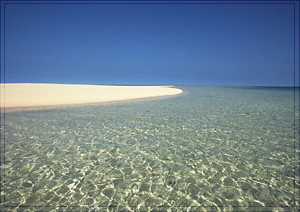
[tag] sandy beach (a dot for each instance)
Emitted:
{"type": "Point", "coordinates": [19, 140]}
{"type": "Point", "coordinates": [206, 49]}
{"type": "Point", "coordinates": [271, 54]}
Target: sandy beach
{"type": "Point", "coordinates": [22, 96]}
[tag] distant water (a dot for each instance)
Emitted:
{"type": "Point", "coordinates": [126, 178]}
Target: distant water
{"type": "Point", "coordinates": [213, 149]}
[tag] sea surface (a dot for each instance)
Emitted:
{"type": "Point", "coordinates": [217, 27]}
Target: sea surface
{"type": "Point", "coordinates": [212, 148]}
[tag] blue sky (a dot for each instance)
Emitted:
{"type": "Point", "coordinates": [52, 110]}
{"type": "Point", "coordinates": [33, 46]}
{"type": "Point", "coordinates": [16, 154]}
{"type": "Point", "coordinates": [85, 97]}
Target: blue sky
{"type": "Point", "coordinates": [180, 44]}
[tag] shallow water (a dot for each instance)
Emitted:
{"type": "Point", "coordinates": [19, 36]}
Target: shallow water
{"type": "Point", "coordinates": [213, 149]}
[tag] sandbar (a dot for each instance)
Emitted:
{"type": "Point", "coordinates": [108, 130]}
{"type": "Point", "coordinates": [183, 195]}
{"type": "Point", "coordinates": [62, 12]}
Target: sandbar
{"type": "Point", "coordinates": [24, 96]}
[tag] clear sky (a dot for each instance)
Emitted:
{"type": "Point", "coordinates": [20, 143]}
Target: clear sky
{"type": "Point", "coordinates": [179, 44]}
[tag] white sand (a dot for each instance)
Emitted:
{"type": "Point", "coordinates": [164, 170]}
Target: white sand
{"type": "Point", "coordinates": [22, 95]}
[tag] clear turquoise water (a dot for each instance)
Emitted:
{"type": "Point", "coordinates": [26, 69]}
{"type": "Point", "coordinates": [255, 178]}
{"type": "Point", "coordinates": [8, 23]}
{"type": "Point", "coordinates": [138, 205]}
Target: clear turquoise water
{"type": "Point", "coordinates": [213, 149]}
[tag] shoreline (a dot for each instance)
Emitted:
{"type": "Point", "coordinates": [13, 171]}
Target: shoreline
{"type": "Point", "coordinates": [37, 96]}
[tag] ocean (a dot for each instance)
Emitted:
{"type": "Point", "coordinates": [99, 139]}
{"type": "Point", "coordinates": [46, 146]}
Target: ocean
{"type": "Point", "coordinates": [213, 148]}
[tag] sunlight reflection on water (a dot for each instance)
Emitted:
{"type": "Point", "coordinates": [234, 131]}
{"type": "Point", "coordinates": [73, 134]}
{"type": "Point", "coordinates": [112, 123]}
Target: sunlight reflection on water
{"type": "Point", "coordinates": [215, 148]}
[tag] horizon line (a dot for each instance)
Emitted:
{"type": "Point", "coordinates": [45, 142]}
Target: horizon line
{"type": "Point", "coordinates": [154, 84]}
